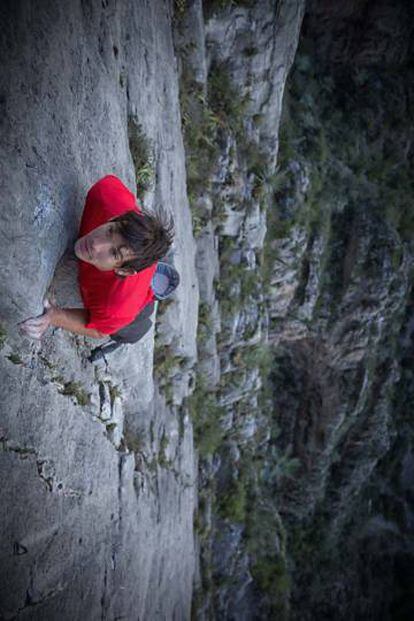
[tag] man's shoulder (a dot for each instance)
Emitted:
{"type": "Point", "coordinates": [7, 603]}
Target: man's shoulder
{"type": "Point", "coordinates": [113, 195]}
{"type": "Point", "coordinates": [106, 199]}
{"type": "Point", "coordinates": [110, 182]}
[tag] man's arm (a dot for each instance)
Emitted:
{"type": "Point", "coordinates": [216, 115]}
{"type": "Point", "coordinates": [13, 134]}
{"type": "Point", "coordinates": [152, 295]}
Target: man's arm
{"type": "Point", "coordinates": [71, 319]}
{"type": "Point", "coordinates": [74, 320]}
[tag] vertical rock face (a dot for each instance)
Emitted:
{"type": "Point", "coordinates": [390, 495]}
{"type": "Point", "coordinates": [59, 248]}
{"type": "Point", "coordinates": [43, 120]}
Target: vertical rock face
{"type": "Point", "coordinates": [340, 383]}
{"type": "Point", "coordinates": [302, 501]}
{"type": "Point", "coordinates": [97, 475]}
{"type": "Point", "coordinates": [234, 60]}
{"type": "Point", "coordinates": [286, 348]}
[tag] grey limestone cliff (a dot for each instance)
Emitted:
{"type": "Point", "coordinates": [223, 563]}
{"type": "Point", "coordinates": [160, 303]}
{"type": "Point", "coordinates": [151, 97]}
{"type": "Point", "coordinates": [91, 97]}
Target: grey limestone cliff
{"type": "Point", "coordinates": [304, 328]}
{"type": "Point", "coordinates": [251, 457]}
{"type": "Point", "coordinates": [98, 478]}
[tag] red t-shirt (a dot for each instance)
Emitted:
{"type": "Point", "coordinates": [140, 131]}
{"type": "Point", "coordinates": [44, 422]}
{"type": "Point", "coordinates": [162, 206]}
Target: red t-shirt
{"type": "Point", "coordinates": [112, 302]}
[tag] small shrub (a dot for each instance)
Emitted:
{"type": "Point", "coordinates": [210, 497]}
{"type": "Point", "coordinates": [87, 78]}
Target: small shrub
{"type": "Point", "coordinates": [233, 502]}
{"type": "Point", "coordinates": [210, 6]}
{"type": "Point", "coordinates": [114, 392]}
{"type": "Point", "coordinates": [249, 52]}
{"type": "Point", "coordinates": [15, 358]}
{"type": "Point", "coordinates": [225, 101]}
{"type": "Point", "coordinates": [258, 356]}
{"type": "Point", "coordinates": [142, 156]}
{"type": "Point", "coordinates": [205, 414]}
{"type": "Point", "coordinates": [200, 126]}
{"type": "Point", "coordinates": [75, 389]}
{"type": "Point", "coordinates": [165, 362]}
{"type": "Point", "coordinates": [205, 323]}
{"type": "Point", "coordinates": [133, 441]}
{"type": "Point", "coordinates": [250, 283]}
{"type": "Point", "coordinates": [162, 456]}
{"type": "Point", "coordinates": [46, 362]}
{"type": "Point", "coordinates": [3, 335]}
{"type": "Point", "coordinates": [279, 466]}
{"type": "Point", "coordinates": [180, 7]}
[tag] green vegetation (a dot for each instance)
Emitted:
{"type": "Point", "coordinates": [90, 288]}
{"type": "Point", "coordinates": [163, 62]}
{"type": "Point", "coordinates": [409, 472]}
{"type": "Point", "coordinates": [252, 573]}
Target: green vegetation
{"type": "Point", "coordinates": [273, 578]}
{"type": "Point", "coordinates": [258, 164]}
{"type": "Point", "coordinates": [114, 392]}
{"type": "Point", "coordinates": [166, 362]}
{"type": "Point", "coordinates": [180, 7]}
{"type": "Point", "coordinates": [75, 389]}
{"type": "Point", "coordinates": [204, 117]}
{"type": "Point", "coordinates": [278, 466]}
{"type": "Point", "coordinates": [3, 335]}
{"type": "Point", "coordinates": [266, 543]}
{"type": "Point", "coordinates": [142, 156]}
{"type": "Point", "coordinates": [50, 365]}
{"type": "Point", "coordinates": [205, 414]}
{"type": "Point", "coordinates": [238, 284]}
{"type": "Point", "coordinates": [260, 356]}
{"type": "Point", "coordinates": [15, 358]}
{"type": "Point", "coordinates": [343, 163]}
{"type": "Point", "coordinates": [200, 134]}
{"type": "Point", "coordinates": [210, 6]}
{"type": "Point", "coordinates": [232, 502]}
{"type": "Point", "coordinates": [162, 453]}
{"type": "Point", "coordinates": [134, 442]}
{"type": "Point", "coordinates": [225, 101]}
{"type": "Point", "coordinates": [352, 131]}
{"type": "Point", "coordinates": [205, 323]}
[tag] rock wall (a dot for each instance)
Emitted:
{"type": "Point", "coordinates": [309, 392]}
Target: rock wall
{"type": "Point", "coordinates": [306, 306]}
{"type": "Point", "coordinates": [234, 60]}
{"type": "Point", "coordinates": [98, 480]}
{"type": "Point", "coordinates": [340, 379]}
{"type": "Point", "coordinates": [285, 353]}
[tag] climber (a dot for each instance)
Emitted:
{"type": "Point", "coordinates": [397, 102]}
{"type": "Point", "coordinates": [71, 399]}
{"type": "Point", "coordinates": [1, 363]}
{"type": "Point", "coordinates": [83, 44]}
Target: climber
{"type": "Point", "coordinates": [118, 250]}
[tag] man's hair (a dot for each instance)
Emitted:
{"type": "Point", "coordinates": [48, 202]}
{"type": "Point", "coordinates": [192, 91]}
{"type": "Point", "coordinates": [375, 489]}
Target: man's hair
{"type": "Point", "coordinates": [149, 236]}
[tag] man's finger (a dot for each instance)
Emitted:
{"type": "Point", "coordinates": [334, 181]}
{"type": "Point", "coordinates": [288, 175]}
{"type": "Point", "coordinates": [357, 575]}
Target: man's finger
{"type": "Point", "coordinates": [36, 336]}
{"type": "Point", "coordinates": [35, 322]}
{"type": "Point", "coordinates": [33, 334]}
{"type": "Point", "coordinates": [30, 327]}
{"type": "Point", "coordinates": [27, 321]}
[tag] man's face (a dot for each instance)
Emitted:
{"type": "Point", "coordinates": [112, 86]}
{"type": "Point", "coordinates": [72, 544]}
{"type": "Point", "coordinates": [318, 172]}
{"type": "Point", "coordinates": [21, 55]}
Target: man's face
{"type": "Point", "coordinates": [104, 247]}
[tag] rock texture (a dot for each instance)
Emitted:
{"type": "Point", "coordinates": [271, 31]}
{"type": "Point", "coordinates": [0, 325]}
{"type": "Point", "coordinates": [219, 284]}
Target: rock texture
{"type": "Point", "coordinates": [235, 60]}
{"type": "Point", "coordinates": [302, 510]}
{"type": "Point", "coordinates": [340, 384]}
{"type": "Point", "coordinates": [98, 480]}
{"type": "Point", "coordinates": [285, 355]}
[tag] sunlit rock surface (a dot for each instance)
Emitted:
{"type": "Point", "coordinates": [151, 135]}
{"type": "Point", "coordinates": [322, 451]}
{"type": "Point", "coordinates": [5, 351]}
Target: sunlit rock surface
{"type": "Point", "coordinates": [98, 481]}
{"type": "Point", "coordinates": [305, 469]}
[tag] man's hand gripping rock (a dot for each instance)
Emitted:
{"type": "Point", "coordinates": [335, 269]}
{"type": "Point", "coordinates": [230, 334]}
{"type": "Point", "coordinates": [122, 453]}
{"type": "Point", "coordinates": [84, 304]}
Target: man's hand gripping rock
{"type": "Point", "coordinates": [35, 327]}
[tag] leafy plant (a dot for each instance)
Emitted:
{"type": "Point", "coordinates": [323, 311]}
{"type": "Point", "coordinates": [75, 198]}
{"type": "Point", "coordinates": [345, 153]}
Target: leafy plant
{"type": "Point", "coordinates": [3, 335]}
{"type": "Point", "coordinates": [229, 108]}
{"type": "Point", "coordinates": [76, 390]}
{"type": "Point", "coordinates": [133, 440]}
{"type": "Point", "coordinates": [232, 502]}
{"type": "Point", "coordinates": [205, 414]}
{"type": "Point", "coordinates": [142, 156]}
{"type": "Point", "coordinates": [15, 358]}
